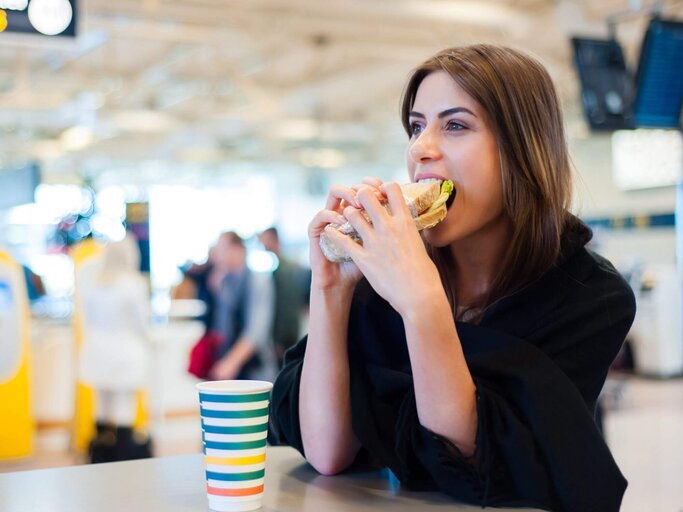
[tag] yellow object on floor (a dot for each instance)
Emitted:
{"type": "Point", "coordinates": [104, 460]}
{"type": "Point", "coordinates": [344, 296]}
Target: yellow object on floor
{"type": "Point", "coordinates": [17, 425]}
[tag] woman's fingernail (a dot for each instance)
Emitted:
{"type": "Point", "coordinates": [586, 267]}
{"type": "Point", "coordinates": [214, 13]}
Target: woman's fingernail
{"type": "Point", "coordinates": [341, 219]}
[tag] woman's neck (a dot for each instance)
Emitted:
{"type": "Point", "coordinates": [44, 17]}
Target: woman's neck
{"type": "Point", "coordinates": [477, 260]}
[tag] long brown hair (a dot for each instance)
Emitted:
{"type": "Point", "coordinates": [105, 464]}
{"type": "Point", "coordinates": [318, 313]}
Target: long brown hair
{"type": "Point", "coordinates": [522, 110]}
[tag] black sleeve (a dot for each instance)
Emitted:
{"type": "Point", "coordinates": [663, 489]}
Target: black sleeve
{"type": "Point", "coordinates": [584, 335]}
{"type": "Point", "coordinates": [537, 443]}
{"type": "Point", "coordinates": [284, 406]}
{"type": "Point", "coordinates": [536, 440]}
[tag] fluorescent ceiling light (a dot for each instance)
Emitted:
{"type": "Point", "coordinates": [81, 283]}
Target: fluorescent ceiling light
{"type": "Point", "coordinates": [326, 158]}
{"type": "Point", "coordinates": [144, 121]}
{"type": "Point", "coordinates": [76, 138]}
{"type": "Point", "coordinates": [482, 14]}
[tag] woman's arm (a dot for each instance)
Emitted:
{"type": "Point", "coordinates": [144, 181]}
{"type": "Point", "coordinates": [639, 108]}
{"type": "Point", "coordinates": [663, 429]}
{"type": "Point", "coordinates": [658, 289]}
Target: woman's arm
{"type": "Point", "coordinates": [445, 393]}
{"type": "Point", "coordinates": [324, 397]}
{"type": "Point", "coordinates": [394, 261]}
{"type": "Point", "coordinates": [324, 391]}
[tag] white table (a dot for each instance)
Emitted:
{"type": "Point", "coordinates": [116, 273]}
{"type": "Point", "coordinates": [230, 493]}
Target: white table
{"type": "Point", "coordinates": [176, 484]}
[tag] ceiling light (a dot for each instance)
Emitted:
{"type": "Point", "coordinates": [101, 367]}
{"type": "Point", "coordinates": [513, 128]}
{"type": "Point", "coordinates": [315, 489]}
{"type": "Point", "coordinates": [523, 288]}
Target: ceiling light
{"type": "Point", "coordinates": [326, 158]}
{"type": "Point", "coordinates": [14, 5]}
{"type": "Point", "coordinates": [76, 138]}
{"type": "Point", "coordinates": [298, 129]}
{"type": "Point", "coordinates": [144, 121]}
{"type": "Point", "coordinates": [469, 13]}
{"type": "Point", "coordinates": [50, 17]}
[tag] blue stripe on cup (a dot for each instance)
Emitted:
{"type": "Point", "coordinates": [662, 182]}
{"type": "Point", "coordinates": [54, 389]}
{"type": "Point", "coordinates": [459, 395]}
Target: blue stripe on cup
{"type": "Point", "coordinates": [246, 429]}
{"type": "Point", "coordinates": [235, 477]}
{"type": "Point", "coordinates": [257, 397]}
{"type": "Point", "coordinates": [244, 445]}
{"type": "Point", "coordinates": [254, 413]}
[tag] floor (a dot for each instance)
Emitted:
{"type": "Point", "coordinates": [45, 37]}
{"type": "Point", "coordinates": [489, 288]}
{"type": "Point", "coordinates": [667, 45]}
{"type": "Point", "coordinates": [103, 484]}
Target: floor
{"type": "Point", "coordinates": [645, 434]}
{"type": "Point", "coordinates": [643, 425]}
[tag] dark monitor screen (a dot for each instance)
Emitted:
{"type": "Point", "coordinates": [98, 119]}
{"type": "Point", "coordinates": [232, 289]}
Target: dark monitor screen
{"type": "Point", "coordinates": [18, 185]}
{"type": "Point", "coordinates": [606, 86]}
{"type": "Point", "coordinates": [52, 18]}
{"type": "Point", "coordinates": [659, 81]}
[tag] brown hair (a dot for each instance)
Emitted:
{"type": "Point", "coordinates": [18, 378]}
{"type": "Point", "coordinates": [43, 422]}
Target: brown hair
{"type": "Point", "coordinates": [521, 108]}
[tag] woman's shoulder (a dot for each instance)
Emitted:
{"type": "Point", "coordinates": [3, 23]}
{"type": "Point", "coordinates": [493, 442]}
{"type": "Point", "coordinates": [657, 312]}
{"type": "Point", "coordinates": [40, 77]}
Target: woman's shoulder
{"type": "Point", "coordinates": [583, 269]}
{"type": "Point", "coordinates": [581, 287]}
{"type": "Point", "coordinates": [589, 274]}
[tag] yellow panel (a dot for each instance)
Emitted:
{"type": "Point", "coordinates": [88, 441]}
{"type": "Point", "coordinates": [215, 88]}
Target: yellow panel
{"type": "Point", "coordinates": [17, 426]}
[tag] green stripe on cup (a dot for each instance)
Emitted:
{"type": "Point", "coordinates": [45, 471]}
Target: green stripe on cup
{"type": "Point", "coordinates": [254, 413]}
{"type": "Point", "coordinates": [246, 429]}
{"type": "Point", "coordinates": [244, 445]}
{"type": "Point", "coordinates": [235, 477]}
{"type": "Point", "coordinates": [258, 397]}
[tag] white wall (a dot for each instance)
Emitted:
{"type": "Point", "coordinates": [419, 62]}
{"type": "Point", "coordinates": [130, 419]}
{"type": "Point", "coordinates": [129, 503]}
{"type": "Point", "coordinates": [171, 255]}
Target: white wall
{"type": "Point", "coordinates": [596, 195]}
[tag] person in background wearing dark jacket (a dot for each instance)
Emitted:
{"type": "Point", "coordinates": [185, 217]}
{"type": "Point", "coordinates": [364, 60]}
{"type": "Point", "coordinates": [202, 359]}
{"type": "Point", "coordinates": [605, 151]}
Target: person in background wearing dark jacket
{"type": "Point", "coordinates": [468, 360]}
{"type": "Point", "coordinates": [289, 280]}
{"type": "Point", "coordinates": [243, 314]}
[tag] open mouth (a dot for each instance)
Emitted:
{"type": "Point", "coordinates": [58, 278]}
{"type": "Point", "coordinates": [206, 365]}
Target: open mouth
{"type": "Point", "coordinates": [450, 200]}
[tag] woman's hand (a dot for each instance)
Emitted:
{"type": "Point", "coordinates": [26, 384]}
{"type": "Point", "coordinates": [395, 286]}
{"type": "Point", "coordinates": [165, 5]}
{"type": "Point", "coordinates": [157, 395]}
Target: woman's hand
{"type": "Point", "coordinates": [393, 257]}
{"type": "Point", "coordinates": [325, 274]}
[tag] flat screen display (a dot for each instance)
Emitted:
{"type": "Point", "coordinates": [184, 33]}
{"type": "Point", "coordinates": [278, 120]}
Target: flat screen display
{"type": "Point", "coordinates": [606, 85]}
{"type": "Point", "coordinates": [659, 80]}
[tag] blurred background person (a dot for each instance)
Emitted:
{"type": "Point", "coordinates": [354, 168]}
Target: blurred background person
{"type": "Point", "coordinates": [194, 285]}
{"type": "Point", "coordinates": [243, 314]}
{"type": "Point", "coordinates": [34, 284]}
{"type": "Point", "coordinates": [115, 357]}
{"type": "Point", "coordinates": [292, 284]}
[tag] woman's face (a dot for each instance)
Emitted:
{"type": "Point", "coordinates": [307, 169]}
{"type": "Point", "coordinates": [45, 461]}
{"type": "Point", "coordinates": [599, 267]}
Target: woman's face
{"type": "Point", "coordinates": [451, 140]}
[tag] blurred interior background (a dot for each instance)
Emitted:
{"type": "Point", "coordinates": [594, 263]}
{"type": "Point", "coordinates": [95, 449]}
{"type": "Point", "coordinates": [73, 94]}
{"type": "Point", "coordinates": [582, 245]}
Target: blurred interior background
{"type": "Point", "coordinates": [178, 120]}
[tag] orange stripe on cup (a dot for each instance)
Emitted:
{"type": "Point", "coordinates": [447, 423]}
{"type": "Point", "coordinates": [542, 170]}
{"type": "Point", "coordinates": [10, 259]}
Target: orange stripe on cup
{"type": "Point", "coordinates": [249, 491]}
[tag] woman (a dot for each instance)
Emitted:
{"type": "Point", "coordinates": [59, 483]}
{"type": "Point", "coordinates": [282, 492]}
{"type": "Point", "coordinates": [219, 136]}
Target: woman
{"type": "Point", "coordinates": [472, 362]}
{"type": "Point", "coordinates": [115, 358]}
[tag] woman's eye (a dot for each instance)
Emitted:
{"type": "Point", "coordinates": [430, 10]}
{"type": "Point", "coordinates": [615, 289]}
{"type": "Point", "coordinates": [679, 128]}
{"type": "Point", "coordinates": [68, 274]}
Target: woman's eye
{"type": "Point", "coordinates": [415, 128]}
{"type": "Point", "coordinates": [454, 125]}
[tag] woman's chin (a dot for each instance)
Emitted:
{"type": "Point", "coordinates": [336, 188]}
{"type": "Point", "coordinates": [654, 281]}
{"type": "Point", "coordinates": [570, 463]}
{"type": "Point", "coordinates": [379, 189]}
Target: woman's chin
{"type": "Point", "coordinates": [436, 236]}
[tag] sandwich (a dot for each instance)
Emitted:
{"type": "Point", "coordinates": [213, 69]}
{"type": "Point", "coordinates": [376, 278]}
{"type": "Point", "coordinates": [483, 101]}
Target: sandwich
{"type": "Point", "coordinates": [427, 201]}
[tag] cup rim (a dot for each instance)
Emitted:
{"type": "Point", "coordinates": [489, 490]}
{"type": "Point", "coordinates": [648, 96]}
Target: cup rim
{"type": "Point", "coordinates": [234, 387]}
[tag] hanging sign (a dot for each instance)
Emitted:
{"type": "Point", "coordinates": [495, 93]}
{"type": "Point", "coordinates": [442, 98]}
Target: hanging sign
{"type": "Point", "coordinates": [39, 17]}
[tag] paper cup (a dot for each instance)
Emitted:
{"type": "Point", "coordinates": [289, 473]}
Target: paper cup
{"type": "Point", "coordinates": [234, 429]}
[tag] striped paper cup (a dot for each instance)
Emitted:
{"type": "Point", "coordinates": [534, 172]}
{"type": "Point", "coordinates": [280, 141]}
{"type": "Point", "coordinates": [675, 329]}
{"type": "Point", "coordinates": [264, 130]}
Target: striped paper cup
{"type": "Point", "coordinates": [234, 428]}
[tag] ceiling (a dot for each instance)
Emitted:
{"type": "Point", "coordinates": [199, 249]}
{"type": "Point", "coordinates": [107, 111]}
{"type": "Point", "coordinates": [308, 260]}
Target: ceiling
{"type": "Point", "coordinates": [160, 88]}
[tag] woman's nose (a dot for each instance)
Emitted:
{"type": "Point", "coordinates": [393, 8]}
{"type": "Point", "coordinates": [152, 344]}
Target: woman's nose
{"type": "Point", "coordinates": [425, 147]}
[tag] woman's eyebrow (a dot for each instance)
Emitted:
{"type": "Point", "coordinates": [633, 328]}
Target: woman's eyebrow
{"type": "Point", "coordinates": [454, 110]}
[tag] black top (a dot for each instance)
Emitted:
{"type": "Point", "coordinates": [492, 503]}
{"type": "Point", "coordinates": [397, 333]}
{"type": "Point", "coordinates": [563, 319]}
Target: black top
{"type": "Point", "coordinates": [539, 359]}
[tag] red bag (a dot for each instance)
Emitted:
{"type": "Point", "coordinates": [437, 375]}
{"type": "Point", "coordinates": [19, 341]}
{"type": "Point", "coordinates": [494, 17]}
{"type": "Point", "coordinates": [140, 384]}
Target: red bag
{"type": "Point", "coordinates": [204, 354]}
